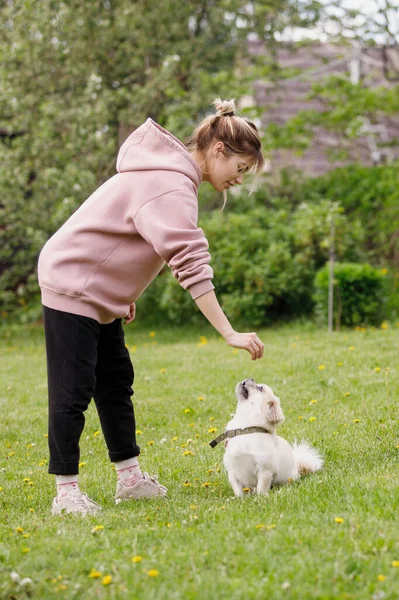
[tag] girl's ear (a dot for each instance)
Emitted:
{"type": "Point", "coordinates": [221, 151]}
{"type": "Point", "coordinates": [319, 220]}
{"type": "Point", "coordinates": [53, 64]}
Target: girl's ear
{"type": "Point", "coordinates": [218, 148]}
{"type": "Point", "coordinates": [275, 414]}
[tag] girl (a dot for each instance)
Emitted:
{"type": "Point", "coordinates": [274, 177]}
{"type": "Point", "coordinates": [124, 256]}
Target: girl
{"type": "Point", "coordinates": [101, 260]}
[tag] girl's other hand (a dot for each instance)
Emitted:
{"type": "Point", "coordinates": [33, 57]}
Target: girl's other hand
{"type": "Point", "coordinates": [131, 315]}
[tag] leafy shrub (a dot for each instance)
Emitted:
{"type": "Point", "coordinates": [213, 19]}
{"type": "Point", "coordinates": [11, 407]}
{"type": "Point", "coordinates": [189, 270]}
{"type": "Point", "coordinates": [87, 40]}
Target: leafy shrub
{"type": "Point", "coordinates": [358, 294]}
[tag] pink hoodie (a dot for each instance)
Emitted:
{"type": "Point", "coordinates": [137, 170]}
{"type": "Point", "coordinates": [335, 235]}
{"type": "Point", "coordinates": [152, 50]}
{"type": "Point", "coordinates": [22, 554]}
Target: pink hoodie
{"type": "Point", "coordinates": [108, 252]}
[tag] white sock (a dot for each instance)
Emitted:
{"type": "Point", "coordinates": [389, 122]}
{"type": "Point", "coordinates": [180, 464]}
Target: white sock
{"type": "Point", "coordinates": [66, 484]}
{"type": "Point", "coordinates": [128, 471]}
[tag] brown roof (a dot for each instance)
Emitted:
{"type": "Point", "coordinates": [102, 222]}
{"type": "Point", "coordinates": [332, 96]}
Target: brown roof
{"type": "Point", "coordinates": [312, 63]}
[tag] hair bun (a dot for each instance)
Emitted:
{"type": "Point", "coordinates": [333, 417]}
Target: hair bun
{"type": "Point", "coordinates": [225, 108]}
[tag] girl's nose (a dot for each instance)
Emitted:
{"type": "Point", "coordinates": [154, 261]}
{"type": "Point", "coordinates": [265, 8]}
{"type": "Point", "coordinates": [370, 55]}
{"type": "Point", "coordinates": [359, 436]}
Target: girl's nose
{"type": "Point", "coordinates": [240, 179]}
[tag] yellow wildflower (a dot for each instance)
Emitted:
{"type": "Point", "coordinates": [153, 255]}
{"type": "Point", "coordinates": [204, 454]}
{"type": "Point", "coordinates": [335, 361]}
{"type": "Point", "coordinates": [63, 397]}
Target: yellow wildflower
{"type": "Point", "coordinates": [187, 484]}
{"type": "Point", "coordinates": [200, 398]}
{"type": "Point", "coordinates": [188, 453]}
{"type": "Point", "coordinates": [312, 419]}
{"type": "Point", "coordinates": [138, 432]}
{"type": "Point", "coordinates": [152, 334]}
{"type": "Point", "coordinates": [96, 433]}
{"type": "Point", "coordinates": [351, 348]}
{"type": "Point", "coordinates": [150, 443]}
{"type": "Point", "coordinates": [163, 370]}
{"type": "Point", "coordinates": [313, 402]}
{"type": "Point", "coordinates": [95, 574]}
{"type": "Point", "coordinates": [97, 528]}
{"type": "Point", "coordinates": [19, 529]}
{"type": "Point", "coordinates": [106, 580]}
{"type": "Point", "coordinates": [137, 559]}
{"type": "Point", "coordinates": [339, 364]}
{"type": "Point", "coordinates": [25, 550]}
{"type": "Point", "coordinates": [339, 520]}
{"type": "Point", "coordinates": [356, 420]}
{"type": "Point", "coordinates": [82, 464]}
{"type": "Point", "coordinates": [206, 484]}
{"type": "Point", "coordinates": [321, 367]}
{"type": "Point", "coordinates": [377, 369]}
{"type": "Point", "coordinates": [347, 394]}
{"type": "Point", "coordinates": [381, 577]}
{"type": "Point", "coordinates": [395, 563]}
{"type": "Point", "coordinates": [152, 573]}
{"type": "Point", "coordinates": [212, 430]}
{"type": "Point", "coordinates": [384, 325]}
{"type": "Point", "coordinates": [186, 411]}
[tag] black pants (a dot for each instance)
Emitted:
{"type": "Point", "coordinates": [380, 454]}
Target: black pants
{"type": "Point", "coordinates": [85, 360]}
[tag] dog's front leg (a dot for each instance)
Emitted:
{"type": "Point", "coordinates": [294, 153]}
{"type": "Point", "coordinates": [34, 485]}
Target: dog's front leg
{"type": "Point", "coordinates": [236, 485]}
{"type": "Point", "coordinates": [264, 482]}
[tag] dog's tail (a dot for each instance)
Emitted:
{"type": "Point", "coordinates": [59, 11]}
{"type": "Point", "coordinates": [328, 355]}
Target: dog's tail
{"type": "Point", "coordinates": [307, 459]}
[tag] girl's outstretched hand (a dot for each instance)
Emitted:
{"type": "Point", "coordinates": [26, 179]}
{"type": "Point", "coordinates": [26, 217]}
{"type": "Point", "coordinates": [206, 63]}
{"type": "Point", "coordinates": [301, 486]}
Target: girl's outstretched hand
{"type": "Point", "coordinates": [246, 341]}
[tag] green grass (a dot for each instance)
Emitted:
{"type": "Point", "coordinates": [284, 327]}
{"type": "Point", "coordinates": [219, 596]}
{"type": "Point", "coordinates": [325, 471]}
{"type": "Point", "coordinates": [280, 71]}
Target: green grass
{"type": "Point", "coordinates": [203, 542]}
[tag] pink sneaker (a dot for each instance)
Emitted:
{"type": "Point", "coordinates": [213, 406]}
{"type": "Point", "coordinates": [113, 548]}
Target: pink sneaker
{"type": "Point", "coordinates": [76, 502]}
{"type": "Point", "coordinates": [148, 487]}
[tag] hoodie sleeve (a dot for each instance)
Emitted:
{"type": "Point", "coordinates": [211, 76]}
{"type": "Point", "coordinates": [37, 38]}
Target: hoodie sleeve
{"type": "Point", "coordinates": [169, 224]}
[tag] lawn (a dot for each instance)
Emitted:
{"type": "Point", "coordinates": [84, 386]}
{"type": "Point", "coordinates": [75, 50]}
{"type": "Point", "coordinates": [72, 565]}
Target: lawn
{"type": "Point", "coordinates": [334, 534]}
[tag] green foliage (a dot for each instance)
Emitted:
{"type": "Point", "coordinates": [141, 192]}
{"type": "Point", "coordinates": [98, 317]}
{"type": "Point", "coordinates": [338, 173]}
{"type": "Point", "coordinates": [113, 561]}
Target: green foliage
{"type": "Point", "coordinates": [264, 263]}
{"type": "Point", "coordinates": [358, 294]}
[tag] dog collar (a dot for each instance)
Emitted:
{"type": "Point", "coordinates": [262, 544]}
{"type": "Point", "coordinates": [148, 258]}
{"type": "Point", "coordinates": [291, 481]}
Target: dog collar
{"type": "Point", "coordinates": [234, 432]}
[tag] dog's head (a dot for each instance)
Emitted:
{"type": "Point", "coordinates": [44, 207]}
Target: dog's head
{"type": "Point", "coordinates": [258, 399]}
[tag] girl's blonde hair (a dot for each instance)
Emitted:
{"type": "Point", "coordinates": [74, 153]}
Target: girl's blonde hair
{"type": "Point", "coordinates": [238, 135]}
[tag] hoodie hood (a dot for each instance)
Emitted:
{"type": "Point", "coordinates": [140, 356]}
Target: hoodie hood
{"type": "Point", "coordinates": [151, 147]}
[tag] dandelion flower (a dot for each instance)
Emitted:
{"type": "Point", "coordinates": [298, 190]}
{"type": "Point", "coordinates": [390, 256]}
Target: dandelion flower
{"type": "Point", "coordinates": [138, 432]}
{"type": "Point", "coordinates": [312, 419]}
{"type": "Point", "coordinates": [163, 370]}
{"type": "Point", "coordinates": [206, 484]}
{"type": "Point", "coordinates": [339, 364]}
{"type": "Point", "coordinates": [25, 550]}
{"type": "Point", "coordinates": [187, 484]}
{"type": "Point", "coordinates": [377, 369]}
{"type": "Point", "coordinates": [106, 580]}
{"type": "Point", "coordinates": [174, 439]}
{"type": "Point", "coordinates": [383, 271]}
{"type": "Point", "coordinates": [95, 574]}
{"type": "Point", "coordinates": [186, 411]}
{"type": "Point", "coordinates": [381, 577]}
{"type": "Point", "coordinates": [339, 520]}
{"type": "Point", "coordinates": [356, 420]}
{"type": "Point", "coordinates": [96, 433]}
{"type": "Point", "coordinates": [395, 563]}
{"type": "Point", "coordinates": [384, 325]}
{"type": "Point", "coordinates": [152, 573]}
{"type": "Point", "coordinates": [212, 430]}
{"type": "Point", "coordinates": [261, 526]}
{"type": "Point", "coordinates": [313, 402]}
{"type": "Point", "coordinates": [137, 559]}
{"type": "Point", "coordinates": [82, 464]}
{"type": "Point", "coordinates": [152, 333]}
{"type": "Point", "coordinates": [19, 530]}
{"type": "Point", "coordinates": [188, 453]}
{"type": "Point", "coordinates": [200, 398]}
{"type": "Point", "coordinates": [321, 367]}
{"type": "Point", "coordinates": [347, 394]}
{"type": "Point", "coordinates": [351, 348]}
{"type": "Point", "coordinates": [193, 506]}
{"type": "Point", "coordinates": [246, 490]}
{"type": "Point", "coordinates": [97, 528]}
{"type": "Point", "coordinates": [150, 443]}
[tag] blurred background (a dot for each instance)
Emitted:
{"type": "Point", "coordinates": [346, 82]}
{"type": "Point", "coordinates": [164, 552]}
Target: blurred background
{"type": "Point", "coordinates": [321, 81]}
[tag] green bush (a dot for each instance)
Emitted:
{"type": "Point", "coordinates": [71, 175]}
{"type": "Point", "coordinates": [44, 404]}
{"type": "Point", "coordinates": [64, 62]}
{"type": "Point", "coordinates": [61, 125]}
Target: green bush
{"type": "Point", "coordinates": [264, 263]}
{"type": "Point", "coordinates": [358, 294]}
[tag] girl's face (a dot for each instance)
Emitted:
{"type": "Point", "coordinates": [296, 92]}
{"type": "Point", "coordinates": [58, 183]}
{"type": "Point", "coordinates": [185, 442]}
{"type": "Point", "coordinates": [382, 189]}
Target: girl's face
{"type": "Point", "coordinates": [223, 171]}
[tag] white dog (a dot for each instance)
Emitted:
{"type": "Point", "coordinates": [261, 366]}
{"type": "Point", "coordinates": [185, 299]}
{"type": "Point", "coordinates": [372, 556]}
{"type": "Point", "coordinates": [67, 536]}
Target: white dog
{"type": "Point", "coordinates": [257, 459]}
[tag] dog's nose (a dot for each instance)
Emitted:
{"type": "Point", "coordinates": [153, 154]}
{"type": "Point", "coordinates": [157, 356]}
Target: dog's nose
{"type": "Point", "coordinates": [248, 381]}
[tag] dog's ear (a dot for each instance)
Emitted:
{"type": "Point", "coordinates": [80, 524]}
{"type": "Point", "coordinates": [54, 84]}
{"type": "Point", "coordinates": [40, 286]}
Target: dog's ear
{"type": "Point", "coordinates": [275, 414]}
